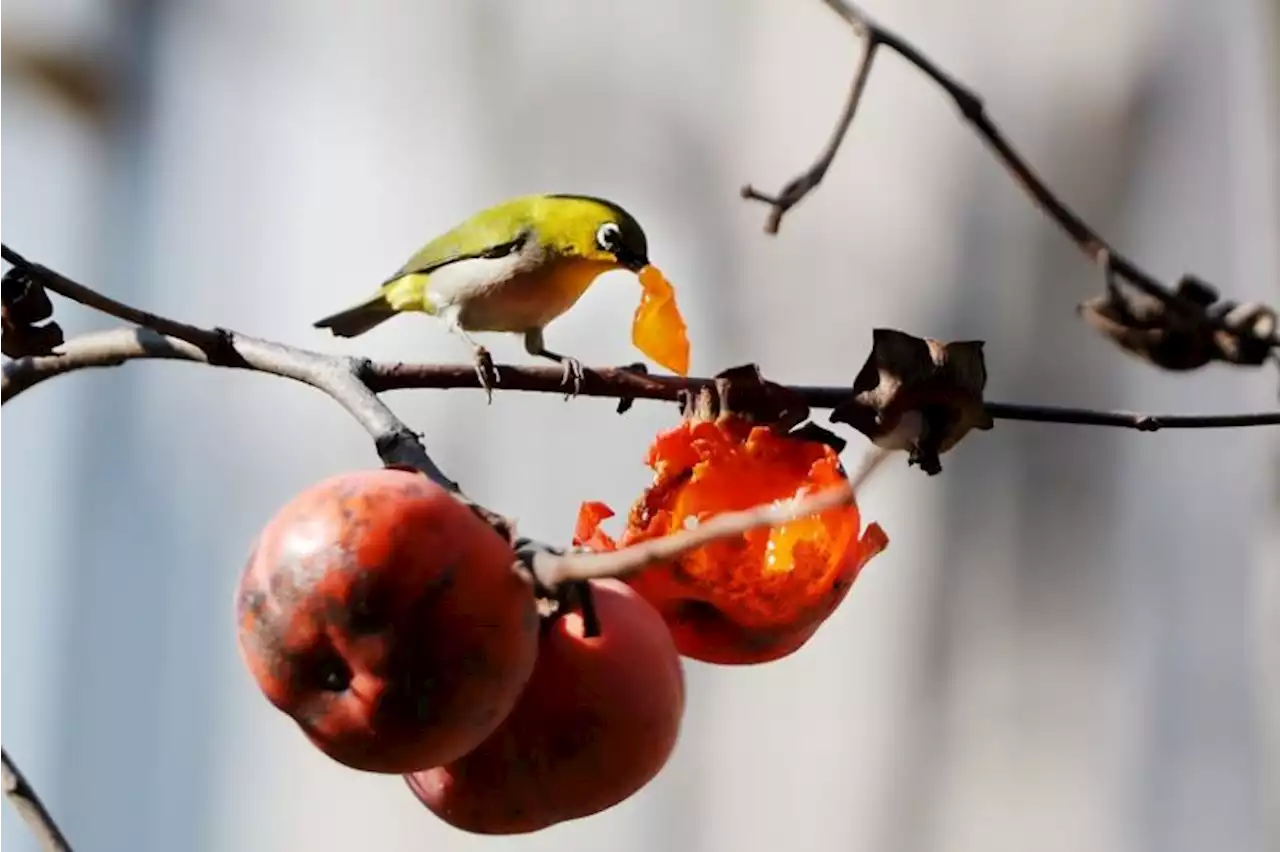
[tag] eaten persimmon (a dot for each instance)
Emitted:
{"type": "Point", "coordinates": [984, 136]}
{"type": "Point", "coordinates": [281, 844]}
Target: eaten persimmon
{"type": "Point", "coordinates": [760, 596]}
{"type": "Point", "coordinates": [658, 330]}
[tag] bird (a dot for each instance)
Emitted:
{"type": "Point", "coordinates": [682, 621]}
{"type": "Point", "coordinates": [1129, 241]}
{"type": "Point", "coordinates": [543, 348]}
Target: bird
{"type": "Point", "coordinates": [514, 267]}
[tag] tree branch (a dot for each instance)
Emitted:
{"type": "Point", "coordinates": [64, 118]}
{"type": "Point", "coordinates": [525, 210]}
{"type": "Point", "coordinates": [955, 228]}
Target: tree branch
{"type": "Point", "coordinates": [553, 569]}
{"type": "Point", "coordinates": [160, 337]}
{"type": "Point", "coordinates": [808, 180]}
{"type": "Point", "coordinates": [209, 339]}
{"type": "Point", "coordinates": [24, 799]}
{"type": "Point", "coordinates": [1091, 244]}
{"type": "Point", "coordinates": [113, 348]}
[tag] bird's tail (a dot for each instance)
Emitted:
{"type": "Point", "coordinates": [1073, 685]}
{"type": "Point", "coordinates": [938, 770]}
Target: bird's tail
{"type": "Point", "coordinates": [359, 319]}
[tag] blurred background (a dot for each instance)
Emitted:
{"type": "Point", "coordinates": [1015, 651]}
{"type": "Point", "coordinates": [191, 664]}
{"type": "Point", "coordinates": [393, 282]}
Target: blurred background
{"type": "Point", "coordinates": [1072, 640]}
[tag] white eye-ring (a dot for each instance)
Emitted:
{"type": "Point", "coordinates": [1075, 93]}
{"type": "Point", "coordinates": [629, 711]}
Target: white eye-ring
{"type": "Point", "coordinates": [608, 236]}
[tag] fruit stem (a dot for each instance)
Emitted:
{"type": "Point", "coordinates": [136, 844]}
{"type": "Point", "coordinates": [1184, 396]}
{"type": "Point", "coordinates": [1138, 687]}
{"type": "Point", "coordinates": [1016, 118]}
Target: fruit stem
{"type": "Point", "coordinates": [587, 605]}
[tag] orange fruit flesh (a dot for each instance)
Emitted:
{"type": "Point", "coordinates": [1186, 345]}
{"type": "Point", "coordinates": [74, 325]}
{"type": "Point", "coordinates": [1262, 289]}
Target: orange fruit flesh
{"type": "Point", "coordinates": [658, 330]}
{"type": "Point", "coordinates": [768, 576]}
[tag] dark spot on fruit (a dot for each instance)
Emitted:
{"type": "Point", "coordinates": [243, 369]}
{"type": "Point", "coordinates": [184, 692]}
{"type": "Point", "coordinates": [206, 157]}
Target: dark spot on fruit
{"type": "Point", "coordinates": [329, 672]}
{"type": "Point", "coordinates": [369, 608]}
{"type": "Point", "coordinates": [281, 586]}
{"type": "Point", "coordinates": [696, 612]}
{"type": "Point", "coordinates": [757, 641]}
{"type": "Point", "coordinates": [251, 602]}
{"type": "Point", "coordinates": [679, 574]}
{"type": "Point", "coordinates": [575, 735]}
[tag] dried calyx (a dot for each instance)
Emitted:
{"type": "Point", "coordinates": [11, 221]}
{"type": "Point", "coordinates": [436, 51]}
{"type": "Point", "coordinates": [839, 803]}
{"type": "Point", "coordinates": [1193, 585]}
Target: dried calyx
{"type": "Point", "coordinates": [918, 395]}
{"type": "Point", "coordinates": [1187, 336]}
{"type": "Point", "coordinates": [26, 304]}
{"type": "Point", "coordinates": [744, 394]}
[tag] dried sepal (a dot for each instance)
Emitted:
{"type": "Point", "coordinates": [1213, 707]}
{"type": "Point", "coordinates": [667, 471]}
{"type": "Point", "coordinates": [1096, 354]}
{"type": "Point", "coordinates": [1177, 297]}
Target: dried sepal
{"type": "Point", "coordinates": [1182, 337]}
{"type": "Point", "coordinates": [744, 393]}
{"type": "Point", "coordinates": [25, 306]}
{"type": "Point", "coordinates": [918, 394]}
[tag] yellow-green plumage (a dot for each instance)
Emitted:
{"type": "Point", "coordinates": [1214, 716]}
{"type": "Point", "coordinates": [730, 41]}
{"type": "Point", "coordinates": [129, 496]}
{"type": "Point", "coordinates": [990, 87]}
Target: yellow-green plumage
{"type": "Point", "coordinates": [564, 227]}
{"type": "Point", "coordinates": [511, 268]}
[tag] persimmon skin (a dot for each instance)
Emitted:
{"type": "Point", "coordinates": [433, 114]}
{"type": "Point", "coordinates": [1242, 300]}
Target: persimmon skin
{"type": "Point", "coordinates": [703, 632]}
{"type": "Point", "coordinates": [383, 616]}
{"type": "Point", "coordinates": [597, 721]}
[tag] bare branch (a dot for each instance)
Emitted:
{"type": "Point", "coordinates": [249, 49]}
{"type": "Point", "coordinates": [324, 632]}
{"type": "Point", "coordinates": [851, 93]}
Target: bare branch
{"type": "Point", "coordinates": [209, 339]}
{"type": "Point", "coordinates": [113, 348]}
{"type": "Point", "coordinates": [336, 376]}
{"type": "Point", "coordinates": [27, 803]}
{"type": "Point", "coordinates": [1129, 420]}
{"type": "Point", "coordinates": [802, 185]}
{"type": "Point", "coordinates": [553, 570]}
{"type": "Point", "coordinates": [1088, 240]}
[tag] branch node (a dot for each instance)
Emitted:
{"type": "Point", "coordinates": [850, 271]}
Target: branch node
{"type": "Point", "coordinates": [626, 400]}
{"type": "Point", "coordinates": [1146, 423]}
{"type": "Point", "coordinates": [971, 106]}
{"type": "Point", "coordinates": [222, 351]}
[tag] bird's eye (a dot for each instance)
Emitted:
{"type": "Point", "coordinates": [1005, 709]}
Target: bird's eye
{"type": "Point", "coordinates": [608, 236]}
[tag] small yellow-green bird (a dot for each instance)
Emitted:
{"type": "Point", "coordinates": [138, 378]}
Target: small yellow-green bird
{"type": "Point", "coordinates": [514, 267]}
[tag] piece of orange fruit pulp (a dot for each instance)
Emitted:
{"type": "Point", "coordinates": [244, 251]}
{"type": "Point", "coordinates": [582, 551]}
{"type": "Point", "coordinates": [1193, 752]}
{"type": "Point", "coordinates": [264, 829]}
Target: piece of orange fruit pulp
{"type": "Point", "coordinates": [658, 329]}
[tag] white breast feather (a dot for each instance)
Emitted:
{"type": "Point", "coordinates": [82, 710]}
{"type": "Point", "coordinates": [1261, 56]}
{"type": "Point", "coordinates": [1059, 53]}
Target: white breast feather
{"type": "Point", "coordinates": [466, 279]}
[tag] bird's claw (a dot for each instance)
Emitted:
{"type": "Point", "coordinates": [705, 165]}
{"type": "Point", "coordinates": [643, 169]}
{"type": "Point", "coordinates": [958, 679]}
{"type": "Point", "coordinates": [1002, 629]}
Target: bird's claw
{"type": "Point", "coordinates": [487, 372]}
{"type": "Point", "coordinates": [574, 376]}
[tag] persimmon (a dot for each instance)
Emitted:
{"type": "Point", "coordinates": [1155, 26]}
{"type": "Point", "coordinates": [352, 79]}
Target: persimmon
{"type": "Point", "coordinates": [597, 721]}
{"type": "Point", "coordinates": [760, 596]}
{"type": "Point", "coordinates": [386, 619]}
{"type": "Point", "coordinates": [657, 329]}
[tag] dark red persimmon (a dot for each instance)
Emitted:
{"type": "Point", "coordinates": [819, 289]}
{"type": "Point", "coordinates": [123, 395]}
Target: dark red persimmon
{"type": "Point", "coordinates": [384, 617]}
{"type": "Point", "coordinates": [597, 721]}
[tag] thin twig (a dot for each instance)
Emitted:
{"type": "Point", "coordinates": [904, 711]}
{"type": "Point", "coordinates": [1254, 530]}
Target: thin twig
{"type": "Point", "coordinates": [1129, 420]}
{"type": "Point", "coordinates": [1088, 240]}
{"type": "Point", "coordinates": [812, 176]}
{"type": "Point", "coordinates": [27, 803]}
{"type": "Point", "coordinates": [112, 348]}
{"type": "Point", "coordinates": [553, 568]}
{"type": "Point", "coordinates": [209, 339]}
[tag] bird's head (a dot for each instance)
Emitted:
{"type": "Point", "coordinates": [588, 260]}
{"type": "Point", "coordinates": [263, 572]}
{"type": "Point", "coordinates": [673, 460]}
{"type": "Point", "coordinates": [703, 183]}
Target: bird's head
{"type": "Point", "coordinates": [603, 233]}
{"type": "Point", "coordinates": [593, 229]}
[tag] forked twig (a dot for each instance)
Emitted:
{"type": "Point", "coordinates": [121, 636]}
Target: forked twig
{"type": "Point", "coordinates": [1087, 240]}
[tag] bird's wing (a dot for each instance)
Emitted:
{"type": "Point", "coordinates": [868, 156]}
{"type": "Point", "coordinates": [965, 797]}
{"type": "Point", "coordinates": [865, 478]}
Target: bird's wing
{"type": "Point", "coordinates": [497, 233]}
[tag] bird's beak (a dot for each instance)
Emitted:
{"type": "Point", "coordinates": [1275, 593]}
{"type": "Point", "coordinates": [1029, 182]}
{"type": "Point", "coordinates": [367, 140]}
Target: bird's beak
{"type": "Point", "coordinates": [631, 261]}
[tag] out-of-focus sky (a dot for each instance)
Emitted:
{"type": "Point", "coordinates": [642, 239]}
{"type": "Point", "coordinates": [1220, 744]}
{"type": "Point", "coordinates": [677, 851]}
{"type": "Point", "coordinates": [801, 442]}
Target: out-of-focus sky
{"type": "Point", "coordinates": [1071, 641]}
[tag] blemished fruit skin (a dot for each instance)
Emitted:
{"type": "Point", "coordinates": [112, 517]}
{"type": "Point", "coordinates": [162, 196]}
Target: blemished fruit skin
{"type": "Point", "coordinates": [386, 619]}
{"type": "Point", "coordinates": [597, 721]}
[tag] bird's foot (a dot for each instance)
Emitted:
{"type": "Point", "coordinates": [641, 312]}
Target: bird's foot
{"type": "Point", "coordinates": [487, 372]}
{"type": "Point", "coordinates": [574, 376]}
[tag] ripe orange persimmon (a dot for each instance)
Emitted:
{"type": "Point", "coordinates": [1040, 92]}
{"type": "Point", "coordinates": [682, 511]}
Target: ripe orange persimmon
{"type": "Point", "coordinates": [384, 617]}
{"type": "Point", "coordinates": [760, 596]}
{"type": "Point", "coordinates": [597, 721]}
